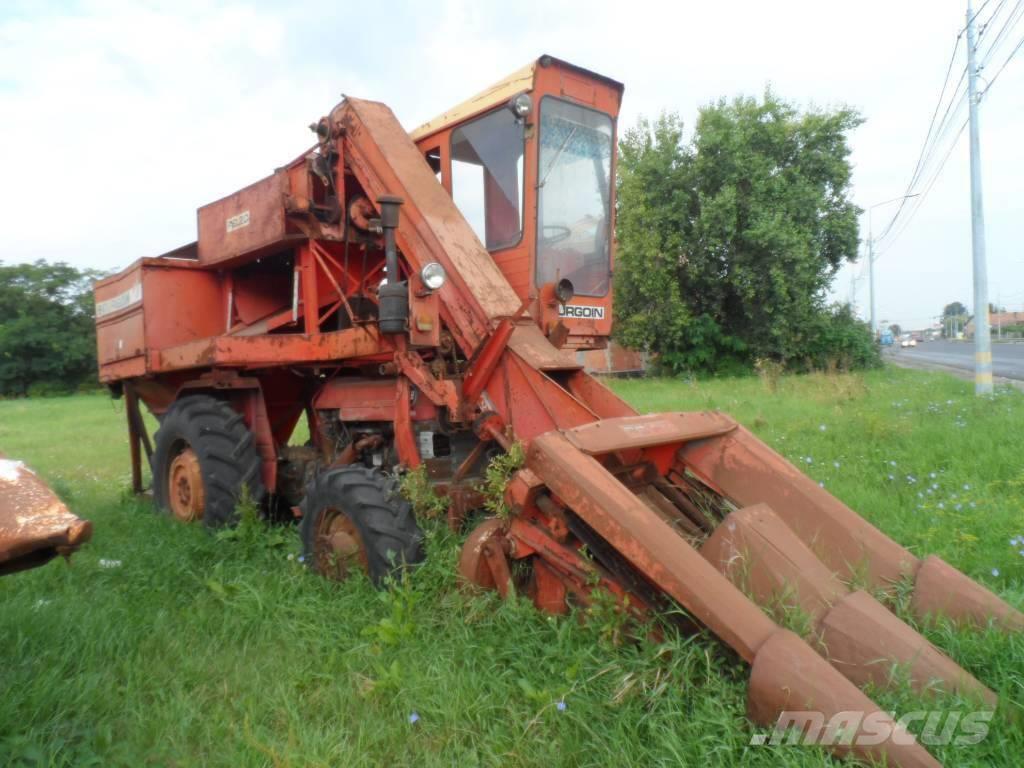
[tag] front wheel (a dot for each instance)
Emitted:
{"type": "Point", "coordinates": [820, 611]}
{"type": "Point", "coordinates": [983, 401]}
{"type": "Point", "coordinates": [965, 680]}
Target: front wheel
{"type": "Point", "coordinates": [205, 459]}
{"type": "Point", "coordinates": [354, 518]}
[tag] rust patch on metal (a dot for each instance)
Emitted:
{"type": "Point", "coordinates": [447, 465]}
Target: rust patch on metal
{"type": "Point", "coordinates": [338, 547]}
{"type": "Point", "coordinates": [35, 525]}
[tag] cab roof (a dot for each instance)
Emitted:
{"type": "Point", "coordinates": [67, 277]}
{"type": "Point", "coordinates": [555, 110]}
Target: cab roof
{"type": "Point", "coordinates": [517, 82]}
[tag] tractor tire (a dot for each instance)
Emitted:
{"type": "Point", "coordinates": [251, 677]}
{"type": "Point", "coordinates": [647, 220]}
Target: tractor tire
{"type": "Point", "coordinates": [354, 517]}
{"type": "Point", "coordinates": [203, 459]}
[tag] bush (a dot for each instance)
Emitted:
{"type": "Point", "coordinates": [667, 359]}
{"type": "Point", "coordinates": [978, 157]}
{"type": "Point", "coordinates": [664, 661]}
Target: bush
{"type": "Point", "coordinates": [729, 240]}
{"type": "Point", "coordinates": [49, 389]}
{"type": "Point", "coordinates": [838, 340]}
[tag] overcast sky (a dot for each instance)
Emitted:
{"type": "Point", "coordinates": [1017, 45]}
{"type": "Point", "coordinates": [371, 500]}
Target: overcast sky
{"type": "Point", "coordinates": [118, 119]}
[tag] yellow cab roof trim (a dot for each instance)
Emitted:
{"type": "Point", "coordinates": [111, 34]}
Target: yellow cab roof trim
{"type": "Point", "coordinates": [519, 81]}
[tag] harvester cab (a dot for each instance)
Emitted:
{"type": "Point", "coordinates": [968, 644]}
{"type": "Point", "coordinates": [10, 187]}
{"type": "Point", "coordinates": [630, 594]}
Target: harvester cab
{"type": "Point", "coordinates": [530, 164]}
{"type": "Point", "coordinates": [419, 301]}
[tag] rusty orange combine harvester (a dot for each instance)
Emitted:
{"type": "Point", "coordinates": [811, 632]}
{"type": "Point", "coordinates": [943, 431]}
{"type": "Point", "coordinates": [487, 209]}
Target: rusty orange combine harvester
{"type": "Point", "coordinates": [419, 299]}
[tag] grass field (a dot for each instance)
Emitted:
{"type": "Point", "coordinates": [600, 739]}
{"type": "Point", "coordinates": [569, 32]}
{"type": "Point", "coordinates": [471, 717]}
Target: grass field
{"type": "Point", "coordinates": [162, 645]}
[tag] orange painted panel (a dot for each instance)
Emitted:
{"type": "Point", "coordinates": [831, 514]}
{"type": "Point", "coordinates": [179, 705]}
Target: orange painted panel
{"type": "Point", "coordinates": [182, 305]}
{"type": "Point", "coordinates": [243, 222]}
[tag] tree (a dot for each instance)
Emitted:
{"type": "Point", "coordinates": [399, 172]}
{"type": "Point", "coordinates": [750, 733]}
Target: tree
{"type": "Point", "coordinates": [954, 318]}
{"type": "Point", "coordinates": [47, 333]}
{"type": "Point", "coordinates": [728, 242]}
{"type": "Point", "coordinates": [895, 329]}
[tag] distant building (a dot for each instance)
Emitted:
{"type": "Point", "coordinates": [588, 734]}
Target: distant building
{"type": "Point", "coordinates": [996, 320]}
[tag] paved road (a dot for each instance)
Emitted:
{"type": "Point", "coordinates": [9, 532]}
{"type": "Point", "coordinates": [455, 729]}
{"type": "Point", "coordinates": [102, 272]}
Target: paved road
{"type": "Point", "coordinates": [1007, 359]}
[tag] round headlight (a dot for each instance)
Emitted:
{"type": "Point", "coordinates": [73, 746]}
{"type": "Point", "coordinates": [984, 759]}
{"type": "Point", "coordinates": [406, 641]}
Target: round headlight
{"type": "Point", "coordinates": [564, 291]}
{"type": "Point", "coordinates": [521, 105]}
{"type": "Point", "coordinates": [433, 275]}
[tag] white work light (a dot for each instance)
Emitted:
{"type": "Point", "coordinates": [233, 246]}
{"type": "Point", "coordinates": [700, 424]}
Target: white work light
{"type": "Point", "coordinates": [433, 275]}
{"type": "Point", "coordinates": [521, 105]}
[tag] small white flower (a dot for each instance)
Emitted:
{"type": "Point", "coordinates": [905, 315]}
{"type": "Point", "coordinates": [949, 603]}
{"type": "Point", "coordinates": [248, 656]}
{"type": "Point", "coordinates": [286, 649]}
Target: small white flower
{"type": "Point", "coordinates": [110, 563]}
{"type": "Point", "coordinates": [414, 717]}
{"type": "Point", "coordinates": [821, 483]}
{"type": "Point", "coordinates": [995, 571]}
{"type": "Point", "coordinates": [836, 464]}
{"type": "Point", "coordinates": [931, 475]}
{"type": "Point", "coordinates": [822, 427]}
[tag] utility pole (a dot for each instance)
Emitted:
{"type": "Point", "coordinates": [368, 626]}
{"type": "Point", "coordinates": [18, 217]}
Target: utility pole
{"type": "Point", "coordinates": [871, 275]}
{"type": "Point", "coordinates": [982, 333]}
{"type": "Point", "coordinates": [999, 315]}
{"type": "Point", "coordinates": [871, 256]}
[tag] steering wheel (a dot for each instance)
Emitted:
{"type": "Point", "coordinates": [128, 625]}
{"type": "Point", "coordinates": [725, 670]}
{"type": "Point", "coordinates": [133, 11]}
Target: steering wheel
{"type": "Point", "coordinates": [561, 233]}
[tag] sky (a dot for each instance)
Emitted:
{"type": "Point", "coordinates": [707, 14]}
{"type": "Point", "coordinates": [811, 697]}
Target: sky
{"type": "Point", "coordinates": [119, 119]}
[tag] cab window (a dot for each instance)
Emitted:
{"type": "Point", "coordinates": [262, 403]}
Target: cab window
{"type": "Point", "coordinates": [487, 177]}
{"type": "Point", "coordinates": [574, 196]}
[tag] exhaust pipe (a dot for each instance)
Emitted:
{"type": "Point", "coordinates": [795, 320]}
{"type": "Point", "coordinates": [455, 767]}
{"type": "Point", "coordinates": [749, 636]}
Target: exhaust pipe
{"type": "Point", "coordinates": [394, 294]}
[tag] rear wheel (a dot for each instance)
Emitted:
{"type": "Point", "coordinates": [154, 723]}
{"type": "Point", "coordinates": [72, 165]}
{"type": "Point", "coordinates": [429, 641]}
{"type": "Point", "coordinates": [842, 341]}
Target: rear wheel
{"type": "Point", "coordinates": [204, 459]}
{"type": "Point", "coordinates": [354, 518]}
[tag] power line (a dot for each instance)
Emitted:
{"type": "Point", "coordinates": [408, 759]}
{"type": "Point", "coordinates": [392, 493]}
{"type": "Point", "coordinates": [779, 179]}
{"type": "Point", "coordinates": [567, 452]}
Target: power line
{"type": "Point", "coordinates": [930, 171]}
{"type": "Point", "coordinates": [1007, 25]}
{"type": "Point", "coordinates": [928, 187]}
{"type": "Point", "coordinates": [937, 132]}
{"type": "Point", "coordinates": [987, 24]}
{"type": "Point", "coordinates": [928, 136]}
{"type": "Point", "coordinates": [978, 13]}
{"type": "Point", "coordinates": [1007, 61]}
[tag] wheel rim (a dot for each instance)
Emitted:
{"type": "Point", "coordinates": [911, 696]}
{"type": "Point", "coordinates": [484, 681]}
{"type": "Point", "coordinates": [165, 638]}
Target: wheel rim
{"type": "Point", "coordinates": [185, 491]}
{"type": "Point", "coordinates": [338, 548]}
